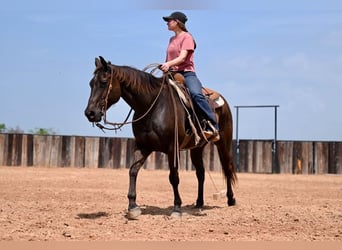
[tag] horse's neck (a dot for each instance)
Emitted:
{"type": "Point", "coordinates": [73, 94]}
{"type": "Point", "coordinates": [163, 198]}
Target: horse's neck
{"type": "Point", "coordinates": [138, 94]}
{"type": "Point", "coordinates": [131, 98]}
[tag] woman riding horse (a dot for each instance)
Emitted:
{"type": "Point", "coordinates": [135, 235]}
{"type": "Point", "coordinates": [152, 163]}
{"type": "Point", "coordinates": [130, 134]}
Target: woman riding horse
{"type": "Point", "coordinates": [180, 59]}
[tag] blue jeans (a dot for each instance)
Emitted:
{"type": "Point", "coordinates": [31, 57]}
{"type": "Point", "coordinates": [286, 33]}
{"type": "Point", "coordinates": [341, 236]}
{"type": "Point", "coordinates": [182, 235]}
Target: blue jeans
{"type": "Point", "coordinates": [195, 88]}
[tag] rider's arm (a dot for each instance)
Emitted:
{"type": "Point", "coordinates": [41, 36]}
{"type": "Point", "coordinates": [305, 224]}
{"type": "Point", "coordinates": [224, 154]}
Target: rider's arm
{"type": "Point", "coordinates": [178, 60]}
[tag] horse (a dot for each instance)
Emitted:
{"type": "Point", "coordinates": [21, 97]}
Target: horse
{"type": "Point", "coordinates": [159, 124]}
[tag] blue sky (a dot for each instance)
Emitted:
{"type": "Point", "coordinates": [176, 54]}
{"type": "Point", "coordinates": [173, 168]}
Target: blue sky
{"type": "Point", "coordinates": [286, 53]}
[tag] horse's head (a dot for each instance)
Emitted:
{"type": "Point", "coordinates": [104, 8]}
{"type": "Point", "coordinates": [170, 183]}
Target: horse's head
{"type": "Point", "coordinates": [105, 90]}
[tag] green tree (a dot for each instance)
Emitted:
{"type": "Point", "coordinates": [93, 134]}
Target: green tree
{"type": "Point", "coordinates": [2, 127]}
{"type": "Point", "coordinates": [43, 131]}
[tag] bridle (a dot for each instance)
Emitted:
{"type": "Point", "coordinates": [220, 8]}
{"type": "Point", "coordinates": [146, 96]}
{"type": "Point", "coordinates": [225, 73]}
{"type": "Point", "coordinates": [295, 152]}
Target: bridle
{"type": "Point", "coordinates": [104, 102]}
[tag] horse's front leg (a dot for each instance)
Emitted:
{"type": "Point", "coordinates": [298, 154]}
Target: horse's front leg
{"type": "Point", "coordinates": [174, 181]}
{"type": "Point", "coordinates": [133, 209]}
{"type": "Point", "coordinates": [196, 155]}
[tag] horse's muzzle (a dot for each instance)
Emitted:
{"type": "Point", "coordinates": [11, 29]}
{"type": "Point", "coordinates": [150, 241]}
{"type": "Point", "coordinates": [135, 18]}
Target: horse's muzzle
{"type": "Point", "coordinates": [93, 116]}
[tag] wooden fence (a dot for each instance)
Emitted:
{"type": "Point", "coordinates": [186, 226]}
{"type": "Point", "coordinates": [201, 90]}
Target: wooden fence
{"type": "Point", "coordinates": [254, 156]}
{"type": "Point", "coordinates": [297, 157]}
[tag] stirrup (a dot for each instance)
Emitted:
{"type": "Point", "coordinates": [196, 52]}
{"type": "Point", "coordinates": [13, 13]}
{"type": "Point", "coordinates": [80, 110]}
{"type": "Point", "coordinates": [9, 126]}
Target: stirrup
{"type": "Point", "coordinates": [211, 126]}
{"type": "Point", "coordinates": [212, 136]}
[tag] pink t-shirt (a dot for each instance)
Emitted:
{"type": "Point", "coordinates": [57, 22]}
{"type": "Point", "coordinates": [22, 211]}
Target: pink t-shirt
{"type": "Point", "coordinates": [178, 43]}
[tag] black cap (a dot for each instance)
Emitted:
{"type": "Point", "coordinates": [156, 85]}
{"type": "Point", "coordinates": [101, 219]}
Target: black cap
{"type": "Point", "coordinates": [177, 16]}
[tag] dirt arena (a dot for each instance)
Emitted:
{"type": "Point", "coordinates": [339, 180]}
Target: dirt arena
{"type": "Point", "coordinates": [68, 204]}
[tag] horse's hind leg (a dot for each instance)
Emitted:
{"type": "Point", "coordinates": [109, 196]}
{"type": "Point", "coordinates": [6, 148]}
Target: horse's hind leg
{"type": "Point", "coordinates": [133, 209]}
{"type": "Point", "coordinates": [196, 155]}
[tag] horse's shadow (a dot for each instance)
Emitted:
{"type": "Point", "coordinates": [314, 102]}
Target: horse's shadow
{"type": "Point", "coordinates": [188, 209]}
{"type": "Point", "coordinates": [153, 210]}
{"type": "Point", "coordinates": [92, 216]}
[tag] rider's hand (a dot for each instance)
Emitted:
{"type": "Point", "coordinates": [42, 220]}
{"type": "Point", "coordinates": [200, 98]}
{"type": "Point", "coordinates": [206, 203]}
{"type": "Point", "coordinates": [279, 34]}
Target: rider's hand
{"type": "Point", "coordinates": [165, 67]}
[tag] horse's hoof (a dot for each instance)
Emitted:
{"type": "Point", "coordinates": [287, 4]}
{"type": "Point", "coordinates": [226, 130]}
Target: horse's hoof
{"type": "Point", "coordinates": [199, 205]}
{"type": "Point", "coordinates": [231, 202]}
{"type": "Point", "coordinates": [133, 213]}
{"type": "Point", "coordinates": [199, 212]}
{"type": "Point", "coordinates": [176, 214]}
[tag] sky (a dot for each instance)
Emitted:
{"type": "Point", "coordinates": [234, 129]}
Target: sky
{"type": "Point", "coordinates": [264, 52]}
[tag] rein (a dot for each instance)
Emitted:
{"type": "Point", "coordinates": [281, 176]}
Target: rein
{"type": "Point", "coordinates": [119, 125]}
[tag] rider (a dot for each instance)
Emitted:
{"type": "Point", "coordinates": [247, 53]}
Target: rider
{"type": "Point", "coordinates": [180, 58]}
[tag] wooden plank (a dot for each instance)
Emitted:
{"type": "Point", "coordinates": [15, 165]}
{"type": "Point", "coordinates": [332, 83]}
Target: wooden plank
{"type": "Point", "coordinates": [181, 155]}
{"type": "Point", "coordinates": [105, 152]}
{"type": "Point", "coordinates": [335, 155]}
{"type": "Point", "coordinates": [267, 156]}
{"type": "Point", "coordinates": [102, 152]}
{"type": "Point", "coordinates": [67, 151]}
{"type": "Point", "coordinates": [242, 159]}
{"type": "Point", "coordinates": [79, 149]}
{"type": "Point", "coordinates": [3, 149]}
{"type": "Point", "coordinates": [321, 157]}
{"type": "Point", "coordinates": [253, 151]}
{"type": "Point", "coordinates": [92, 152]}
{"type": "Point", "coordinates": [161, 160]}
{"type": "Point", "coordinates": [297, 160]}
{"type": "Point", "coordinates": [55, 151]}
{"type": "Point", "coordinates": [261, 152]}
{"type": "Point", "coordinates": [130, 147]}
{"type": "Point", "coordinates": [206, 156]}
{"type": "Point", "coordinates": [17, 149]}
{"type": "Point", "coordinates": [29, 150]}
{"type": "Point", "coordinates": [126, 153]}
{"type": "Point", "coordinates": [331, 158]}
{"type": "Point", "coordinates": [243, 156]}
{"type": "Point", "coordinates": [150, 162]}
{"type": "Point", "coordinates": [118, 151]}
{"type": "Point", "coordinates": [9, 150]}
{"type": "Point", "coordinates": [188, 161]}
{"type": "Point", "coordinates": [338, 157]}
{"type": "Point", "coordinates": [39, 150]}
{"type": "Point", "coordinates": [157, 160]}
{"type": "Point", "coordinates": [303, 163]}
{"type": "Point", "coordinates": [234, 152]}
{"type": "Point", "coordinates": [214, 159]}
{"type": "Point", "coordinates": [285, 156]}
{"type": "Point", "coordinates": [250, 157]}
{"type": "Point", "coordinates": [24, 150]}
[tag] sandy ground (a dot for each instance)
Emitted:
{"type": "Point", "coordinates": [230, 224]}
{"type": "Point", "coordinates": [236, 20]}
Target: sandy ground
{"type": "Point", "coordinates": [67, 204]}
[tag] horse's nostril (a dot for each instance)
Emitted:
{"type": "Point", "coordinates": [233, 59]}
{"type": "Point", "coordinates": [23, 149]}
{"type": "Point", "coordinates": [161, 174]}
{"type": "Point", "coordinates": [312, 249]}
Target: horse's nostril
{"type": "Point", "coordinates": [89, 113]}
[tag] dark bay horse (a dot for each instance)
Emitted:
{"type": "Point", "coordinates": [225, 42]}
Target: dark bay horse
{"type": "Point", "coordinates": [158, 118]}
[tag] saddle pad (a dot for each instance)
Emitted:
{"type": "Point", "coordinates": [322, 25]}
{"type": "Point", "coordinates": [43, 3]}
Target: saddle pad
{"type": "Point", "coordinates": [180, 92]}
{"type": "Point", "coordinates": [214, 96]}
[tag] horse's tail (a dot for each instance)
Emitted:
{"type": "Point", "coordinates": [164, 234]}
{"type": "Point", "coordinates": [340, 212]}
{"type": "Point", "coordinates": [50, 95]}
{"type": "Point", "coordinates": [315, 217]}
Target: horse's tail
{"type": "Point", "coordinates": [228, 166]}
{"type": "Point", "coordinates": [225, 144]}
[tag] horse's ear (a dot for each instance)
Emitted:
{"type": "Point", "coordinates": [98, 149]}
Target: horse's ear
{"type": "Point", "coordinates": [104, 63]}
{"type": "Point", "coordinates": [97, 62]}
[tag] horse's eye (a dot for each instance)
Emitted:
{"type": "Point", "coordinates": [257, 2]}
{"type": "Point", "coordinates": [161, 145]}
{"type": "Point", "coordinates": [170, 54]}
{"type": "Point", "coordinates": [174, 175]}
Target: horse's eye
{"type": "Point", "coordinates": [103, 84]}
